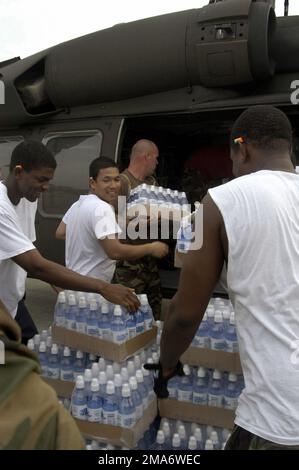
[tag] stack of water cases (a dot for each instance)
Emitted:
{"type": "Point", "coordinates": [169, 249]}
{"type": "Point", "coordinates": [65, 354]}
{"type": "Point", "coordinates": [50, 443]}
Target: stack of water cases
{"type": "Point", "coordinates": [208, 392]}
{"type": "Point", "coordinates": [94, 359]}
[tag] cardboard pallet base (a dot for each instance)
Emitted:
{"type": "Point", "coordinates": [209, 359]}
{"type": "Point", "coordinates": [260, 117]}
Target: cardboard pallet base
{"type": "Point", "coordinates": [212, 359]}
{"type": "Point", "coordinates": [106, 349]}
{"type": "Point", "coordinates": [174, 409]}
{"type": "Point", "coordinates": [117, 435]}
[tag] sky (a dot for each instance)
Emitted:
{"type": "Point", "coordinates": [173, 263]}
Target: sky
{"type": "Point", "coordinates": [29, 26]}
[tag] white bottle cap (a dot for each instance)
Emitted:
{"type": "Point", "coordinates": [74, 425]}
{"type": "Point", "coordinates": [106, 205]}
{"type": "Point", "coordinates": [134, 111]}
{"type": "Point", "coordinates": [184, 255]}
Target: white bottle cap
{"type": "Point", "coordinates": [72, 299]}
{"type": "Point", "coordinates": [61, 297]}
{"type": "Point", "coordinates": [145, 372]}
{"type": "Point", "coordinates": [105, 307]}
{"type": "Point", "coordinates": [49, 342]}
{"type": "Point", "coordinates": [226, 313]}
{"type": "Point", "coordinates": [192, 444]}
{"type": "Point", "coordinates": [125, 391]}
{"type": "Point", "coordinates": [197, 434]}
{"type": "Point", "coordinates": [87, 375]}
{"type": "Point", "coordinates": [80, 382]}
{"type": "Point", "coordinates": [216, 374]}
{"type": "Point", "coordinates": [218, 316]}
{"type": "Point", "coordinates": [214, 437]}
{"type": "Point", "coordinates": [118, 380]}
{"type": "Point", "coordinates": [232, 377]}
{"type": "Point", "coordinates": [186, 369]}
{"type": "Point", "coordinates": [176, 441]}
{"type": "Point", "coordinates": [30, 344]}
{"type": "Point", "coordinates": [42, 347]}
{"type": "Point", "coordinates": [137, 362]}
{"type": "Point", "coordinates": [95, 369]}
{"type": "Point", "coordinates": [160, 439]}
{"type": "Point", "coordinates": [143, 297]}
{"type": "Point", "coordinates": [102, 378]}
{"type": "Point", "coordinates": [139, 376]}
{"type": "Point", "coordinates": [209, 445]}
{"type": "Point", "coordinates": [201, 372]}
{"type": "Point", "coordinates": [182, 431]}
{"type": "Point", "coordinates": [54, 348]}
{"type": "Point", "coordinates": [232, 319]}
{"type": "Point", "coordinates": [155, 357]}
{"type": "Point", "coordinates": [95, 386]}
{"type": "Point", "coordinates": [36, 339]}
{"type": "Point", "coordinates": [82, 302]}
{"type": "Point", "coordinates": [133, 383]}
{"type": "Point", "coordinates": [79, 354]}
{"type": "Point", "coordinates": [116, 367]}
{"type": "Point", "coordinates": [92, 357]}
{"type": "Point", "coordinates": [166, 429]}
{"type": "Point", "coordinates": [110, 390]}
{"type": "Point", "coordinates": [93, 305]}
{"type": "Point", "coordinates": [66, 351]}
{"type": "Point", "coordinates": [131, 367]}
{"type": "Point", "coordinates": [124, 374]}
{"type": "Point", "coordinates": [102, 364]}
{"type": "Point", "coordinates": [117, 311]}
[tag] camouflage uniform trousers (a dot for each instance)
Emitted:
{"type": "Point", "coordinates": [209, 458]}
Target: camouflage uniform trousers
{"type": "Point", "coordinates": [143, 276]}
{"type": "Point", "coordinates": [240, 439]}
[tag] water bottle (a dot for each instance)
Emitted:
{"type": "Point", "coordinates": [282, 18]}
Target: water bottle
{"type": "Point", "coordinates": [36, 340]}
{"type": "Point", "coordinates": [116, 367]}
{"type": "Point", "coordinates": [31, 345]}
{"type": "Point", "coordinates": [183, 436]}
{"type": "Point", "coordinates": [185, 388]}
{"type": "Point", "coordinates": [149, 383]}
{"type": "Point", "coordinates": [230, 335]}
{"type": "Point", "coordinates": [209, 445]}
{"type": "Point", "coordinates": [102, 364]}
{"type": "Point", "coordinates": [139, 321]}
{"type": "Point", "coordinates": [167, 434]}
{"type": "Point", "coordinates": [79, 364]}
{"type": "Point", "coordinates": [231, 393]}
{"type": "Point", "coordinates": [127, 414]}
{"type": "Point", "coordinates": [103, 384]}
{"type": "Point", "coordinates": [200, 389]}
{"type": "Point", "coordinates": [118, 326]}
{"type": "Point", "coordinates": [71, 313]}
{"type": "Point", "coordinates": [226, 317]}
{"type": "Point", "coordinates": [87, 380]}
{"type": "Point", "coordinates": [118, 383]}
{"type": "Point", "coordinates": [95, 370]}
{"type": "Point", "coordinates": [54, 363]}
{"type": "Point", "coordinates": [142, 388]}
{"type": "Point", "coordinates": [172, 387]}
{"type": "Point", "coordinates": [131, 368]}
{"type": "Point", "coordinates": [131, 325]}
{"type": "Point", "coordinates": [215, 396]}
{"type": "Point", "coordinates": [136, 398]}
{"type": "Point", "coordinates": [91, 358]}
{"type": "Point", "coordinates": [60, 309]}
{"type": "Point", "coordinates": [94, 403]}
{"type": "Point", "coordinates": [198, 436]}
{"type": "Point", "coordinates": [217, 333]}
{"type": "Point", "coordinates": [42, 355]}
{"type": "Point", "coordinates": [210, 316]}
{"type": "Point", "coordinates": [66, 367]}
{"type": "Point", "coordinates": [215, 440]}
{"type": "Point", "coordinates": [192, 444]}
{"type": "Point", "coordinates": [124, 375]}
{"type": "Point", "coordinates": [184, 236]}
{"type": "Point", "coordinates": [159, 444]}
{"type": "Point", "coordinates": [137, 361]}
{"type": "Point", "coordinates": [79, 400]}
{"type": "Point", "coordinates": [104, 322]}
{"type": "Point", "coordinates": [81, 317]}
{"type": "Point", "coordinates": [110, 406]}
{"type": "Point", "coordinates": [202, 337]}
{"type": "Point", "coordinates": [176, 442]}
{"type": "Point", "coordinates": [49, 344]}
{"type": "Point", "coordinates": [92, 319]}
{"type": "Point", "coordinates": [147, 312]}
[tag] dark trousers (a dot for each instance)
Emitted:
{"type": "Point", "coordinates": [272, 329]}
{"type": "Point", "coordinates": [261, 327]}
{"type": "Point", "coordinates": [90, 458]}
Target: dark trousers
{"type": "Point", "coordinates": [27, 325]}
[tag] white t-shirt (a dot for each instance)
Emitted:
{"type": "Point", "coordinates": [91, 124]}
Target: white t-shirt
{"type": "Point", "coordinates": [17, 232]}
{"type": "Point", "coordinates": [89, 220]}
{"type": "Point", "coordinates": [261, 217]}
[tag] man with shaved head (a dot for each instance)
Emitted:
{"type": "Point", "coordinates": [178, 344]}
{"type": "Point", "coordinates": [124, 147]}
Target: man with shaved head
{"type": "Point", "coordinates": [142, 274]}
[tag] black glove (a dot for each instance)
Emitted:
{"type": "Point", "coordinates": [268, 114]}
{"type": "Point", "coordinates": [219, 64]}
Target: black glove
{"type": "Point", "coordinates": [160, 382]}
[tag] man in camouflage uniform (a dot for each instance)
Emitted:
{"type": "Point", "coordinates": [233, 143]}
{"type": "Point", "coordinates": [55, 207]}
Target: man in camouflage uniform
{"type": "Point", "coordinates": [142, 274]}
{"type": "Point", "coordinates": [31, 417]}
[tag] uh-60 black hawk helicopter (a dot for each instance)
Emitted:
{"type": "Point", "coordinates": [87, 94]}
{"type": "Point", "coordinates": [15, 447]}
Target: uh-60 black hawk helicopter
{"type": "Point", "coordinates": [179, 79]}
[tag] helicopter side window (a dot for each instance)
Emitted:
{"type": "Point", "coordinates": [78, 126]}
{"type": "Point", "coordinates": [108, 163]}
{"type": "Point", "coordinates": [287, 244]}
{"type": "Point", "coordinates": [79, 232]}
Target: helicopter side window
{"type": "Point", "coordinates": [73, 151]}
{"type": "Point", "coordinates": [7, 144]}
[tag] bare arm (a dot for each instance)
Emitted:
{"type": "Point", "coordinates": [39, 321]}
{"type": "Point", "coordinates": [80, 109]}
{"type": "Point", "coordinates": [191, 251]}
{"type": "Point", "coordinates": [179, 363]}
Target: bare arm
{"type": "Point", "coordinates": [61, 231]}
{"type": "Point", "coordinates": [119, 251]}
{"type": "Point", "coordinates": [200, 273]}
{"type": "Point", "coordinates": [53, 273]}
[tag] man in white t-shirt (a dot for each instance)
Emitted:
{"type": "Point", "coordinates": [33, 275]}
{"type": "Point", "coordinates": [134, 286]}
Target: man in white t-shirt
{"type": "Point", "coordinates": [252, 225]}
{"type": "Point", "coordinates": [32, 167]}
{"type": "Point", "coordinates": [91, 231]}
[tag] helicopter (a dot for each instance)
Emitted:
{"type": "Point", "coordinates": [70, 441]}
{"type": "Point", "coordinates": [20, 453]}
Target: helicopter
{"type": "Point", "coordinates": [179, 79]}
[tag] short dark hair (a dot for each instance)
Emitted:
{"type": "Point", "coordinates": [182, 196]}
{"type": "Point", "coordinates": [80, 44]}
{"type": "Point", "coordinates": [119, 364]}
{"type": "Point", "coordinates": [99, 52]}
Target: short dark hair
{"type": "Point", "coordinates": [31, 154]}
{"type": "Point", "coordinates": [265, 127]}
{"type": "Point", "coordinates": [99, 164]}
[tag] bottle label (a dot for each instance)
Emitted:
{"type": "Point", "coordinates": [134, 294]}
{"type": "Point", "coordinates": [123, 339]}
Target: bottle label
{"type": "Point", "coordinates": [185, 395]}
{"type": "Point", "coordinates": [66, 374]}
{"type": "Point", "coordinates": [172, 392]}
{"type": "Point", "coordinates": [232, 346]}
{"type": "Point", "coordinates": [215, 400]}
{"type": "Point", "coordinates": [106, 334]}
{"type": "Point", "coordinates": [53, 372]}
{"type": "Point", "coordinates": [218, 344]}
{"type": "Point", "coordinates": [110, 417]}
{"type": "Point", "coordinates": [139, 412]}
{"type": "Point", "coordinates": [79, 411]}
{"type": "Point", "coordinates": [139, 328]}
{"type": "Point", "coordinates": [131, 332]}
{"type": "Point", "coordinates": [60, 320]}
{"type": "Point", "coordinates": [44, 370]}
{"type": "Point", "coordinates": [200, 398]}
{"type": "Point", "coordinates": [230, 403]}
{"type": "Point", "coordinates": [148, 323]}
{"type": "Point", "coordinates": [92, 331]}
{"type": "Point", "coordinates": [70, 324]}
{"type": "Point", "coordinates": [94, 415]}
{"type": "Point", "coordinates": [119, 336]}
{"type": "Point", "coordinates": [81, 327]}
{"type": "Point", "coordinates": [127, 421]}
